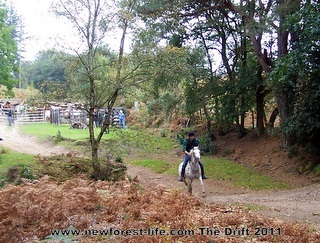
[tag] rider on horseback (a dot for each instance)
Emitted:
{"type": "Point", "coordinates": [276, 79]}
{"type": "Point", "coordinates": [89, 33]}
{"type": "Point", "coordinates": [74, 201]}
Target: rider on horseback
{"type": "Point", "coordinates": [187, 145]}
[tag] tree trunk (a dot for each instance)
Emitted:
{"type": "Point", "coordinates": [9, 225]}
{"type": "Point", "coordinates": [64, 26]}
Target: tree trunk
{"type": "Point", "coordinates": [208, 121]}
{"type": "Point", "coordinates": [94, 147]}
{"type": "Point", "coordinates": [285, 106]}
{"type": "Point", "coordinates": [252, 118]}
{"type": "Point", "coordinates": [95, 161]}
{"type": "Point", "coordinates": [273, 117]}
{"type": "Point", "coordinates": [260, 94]}
{"type": "Point", "coordinates": [260, 110]}
{"type": "Point", "coordinates": [241, 129]}
{"type": "Point", "coordinates": [285, 111]}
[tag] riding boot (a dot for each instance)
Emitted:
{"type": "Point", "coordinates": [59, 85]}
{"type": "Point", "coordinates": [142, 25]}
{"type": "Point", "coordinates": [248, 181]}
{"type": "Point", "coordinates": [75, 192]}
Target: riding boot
{"type": "Point", "coordinates": [202, 171]}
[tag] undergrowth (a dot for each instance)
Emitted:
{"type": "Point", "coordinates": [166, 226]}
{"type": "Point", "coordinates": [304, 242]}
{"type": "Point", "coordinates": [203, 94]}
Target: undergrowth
{"type": "Point", "coordinates": [32, 211]}
{"type": "Point", "coordinates": [64, 167]}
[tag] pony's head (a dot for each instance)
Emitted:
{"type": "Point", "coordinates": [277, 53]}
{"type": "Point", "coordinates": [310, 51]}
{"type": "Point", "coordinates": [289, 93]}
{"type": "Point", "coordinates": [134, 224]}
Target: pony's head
{"type": "Point", "coordinates": [196, 153]}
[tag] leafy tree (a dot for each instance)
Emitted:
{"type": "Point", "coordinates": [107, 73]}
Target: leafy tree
{"type": "Point", "coordinates": [92, 19]}
{"type": "Point", "coordinates": [8, 49]}
{"type": "Point", "coordinates": [214, 31]}
{"type": "Point", "coordinates": [227, 26]}
{"type": "Point", "coordinates": [47, 74]}
{"type": "Point", "coordinates": [302, 65]}
{"type": "Point", "coordinates": [268, 18]}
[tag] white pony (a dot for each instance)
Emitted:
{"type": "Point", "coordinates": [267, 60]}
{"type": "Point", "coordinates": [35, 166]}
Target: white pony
{"type": "Point", "coordinates": [193, 170]}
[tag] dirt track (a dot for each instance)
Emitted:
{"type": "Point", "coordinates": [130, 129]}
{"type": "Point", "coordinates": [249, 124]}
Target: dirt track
{"type": "Point", "coordinates": [298, 205]}
{"type": "Point", "coordinates": [26, 144]}
{"type": "Point", "coordinates": [301, 205]}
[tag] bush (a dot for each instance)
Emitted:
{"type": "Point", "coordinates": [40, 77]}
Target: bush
{"type": "Point", "coordinates": [180, 136]}
{"type": "Point", "coordinates": [317, 170]}
{"type": "Point", "coordinates": [113, 171]}
{"type": "Point", "coordinates": [12, 174]}
{"type": "Point", "coordinates": [58, 137]}
{"type": "Point", "coordinates": [16, 173]}
{"type": "Point", "coordinates": [207, 145]}
{"type": "Point", "coordinates": [3, 151]}
{"type": "Point", "coordinates": [62, 167]}
{"type": "Point", "coordinates": [293, 151]}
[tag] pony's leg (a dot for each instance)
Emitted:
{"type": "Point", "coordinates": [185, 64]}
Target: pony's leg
{"type": "Point", "coordinates": [185, 181]}
{"type": "Point", "coordinates": [190, 187]}
{"type": "Point", "coordinates": [202, 185]}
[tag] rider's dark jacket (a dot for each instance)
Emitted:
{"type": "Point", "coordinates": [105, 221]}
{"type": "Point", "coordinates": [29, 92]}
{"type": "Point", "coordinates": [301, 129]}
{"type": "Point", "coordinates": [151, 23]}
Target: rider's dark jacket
{"type": "Point", "coordinates": [187, 144]}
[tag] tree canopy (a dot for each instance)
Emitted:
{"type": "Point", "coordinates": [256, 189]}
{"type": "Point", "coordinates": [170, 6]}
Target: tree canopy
{"type": "Point", "coordinates": [211, 60]}
{"type": "Point", "coordinates": [8, 48]}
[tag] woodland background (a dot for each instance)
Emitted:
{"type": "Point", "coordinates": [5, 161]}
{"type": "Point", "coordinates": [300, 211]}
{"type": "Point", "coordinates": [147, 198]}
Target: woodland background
{"type": "Point", "coordinates": [204, 61]}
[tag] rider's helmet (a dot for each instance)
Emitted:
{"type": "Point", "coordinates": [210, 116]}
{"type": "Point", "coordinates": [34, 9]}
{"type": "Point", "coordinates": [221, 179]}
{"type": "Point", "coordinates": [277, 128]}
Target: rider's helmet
{"type": "Point", "coordinates": [191, 133]}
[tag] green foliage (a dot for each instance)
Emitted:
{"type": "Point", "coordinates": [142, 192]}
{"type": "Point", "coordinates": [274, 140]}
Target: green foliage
{"type": "Point", "coordinates": [167, 70]}
{"type": "Point", "coordinates": [26, 173]}
{"type": "Point", "coordinates": [199, 88]}
{"type": "Point", "coordinates": [12, 174]}
{"type": "Point", "coordinates": [61, 167]}
{"type": "Point", "coordinates": [8, 50]}
{"type": "Point", "coordinates": [293, 151]}
{"type": "Point", "coordinates": [15, 165]}
{"type": "Point", "coordinates": [167, 104]}
{"type": "Point", "coordinates": [48, 74]}
{"type": "Point", "coordinates": [180, 136]}
{"type": "Point", "coordinates": [58, 137]}
{"type": "Point", "coordinates": [317, 169]}
{"type": "Point", "coordinates": [17, 172]}
{"type": "Point", "coordinates": [207, 145]}
{"type": "Point", "coordinates": [298, 74]}
{"type": "Point", "coordinates": [104, 76]}
{"type": "Point", "coordinates": [113, 171]}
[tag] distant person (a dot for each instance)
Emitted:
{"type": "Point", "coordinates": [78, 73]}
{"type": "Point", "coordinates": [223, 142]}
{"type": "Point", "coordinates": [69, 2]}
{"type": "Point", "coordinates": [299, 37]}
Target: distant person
{"type": "Point", "coordinates": [122, 118]}
{"type": "Point", "coordinates": [106, 121]}
{"type": "Point", "coordinates": [105, 116]}
{"type": "Point", "coordinates": [96, 118]}
{"type": "Point", "coordinates": [100, 119]}
{"type": "Point", "coordinates": [10, 115]}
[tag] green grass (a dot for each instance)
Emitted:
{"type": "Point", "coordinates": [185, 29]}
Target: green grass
{"type": "Point", "coordinates": [249, 206]}
{"type": "Point", "coordinates": [134, 137]}
{"type": "Point", "coordinates": [9, 158]}
{"type": "Point", "coordinates": [123, 139]}
{"type": "Point", "coordinates": [134, 144]}
{"type": "Point", "coordinates": [239, 175]}
{"type": "Point", "coordinates": [49, 130]}
{"type": "Point", "coordinates": [221, 169]}
{"type": "Point", "coordinates": [159, 166]}
{"type": "Point", "coordinates": [145, 141]}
